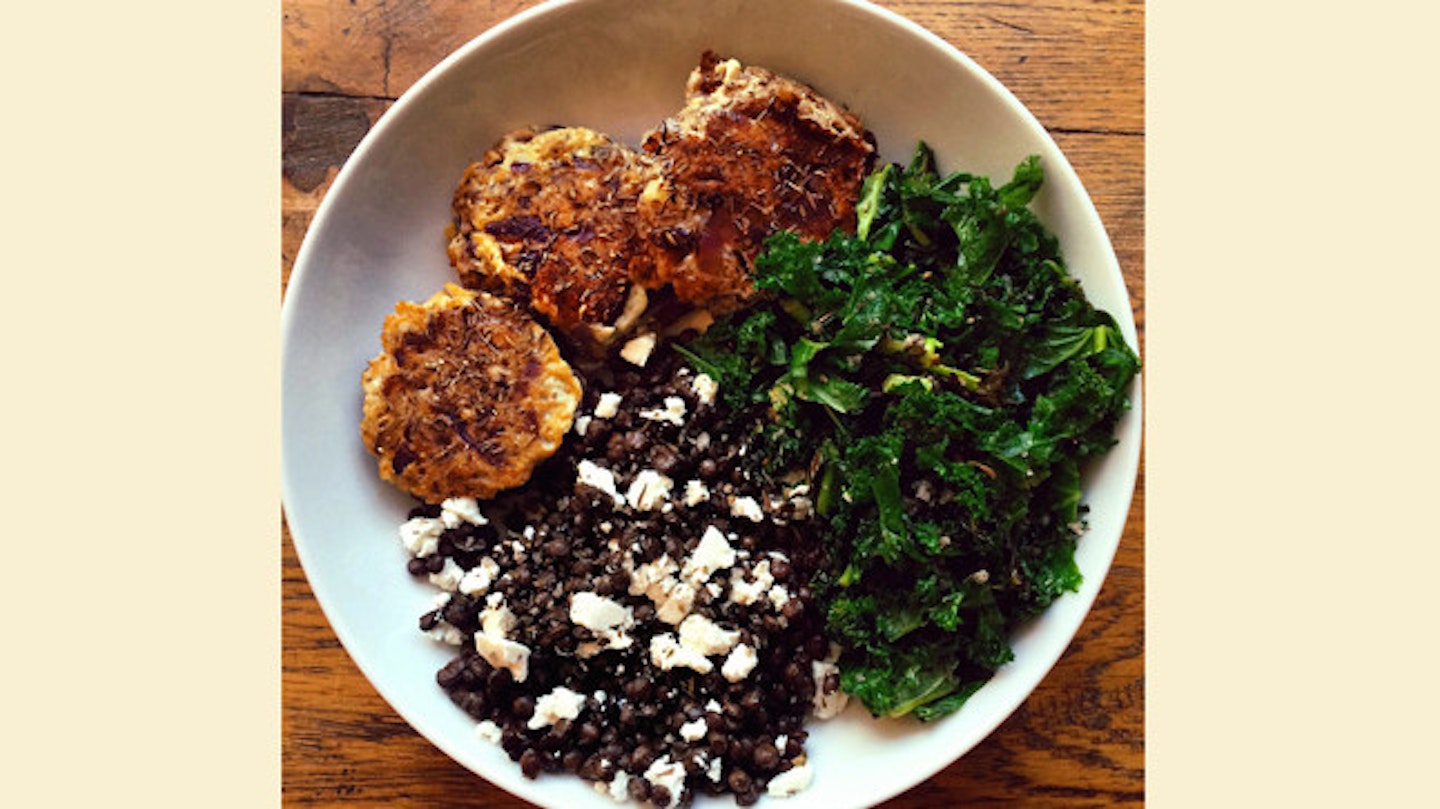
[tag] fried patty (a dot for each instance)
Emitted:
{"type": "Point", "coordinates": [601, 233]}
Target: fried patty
{"type": "Point", "coordinates": [751, 153]}
{"type": "Point", "coordinates": [467, 395]}
{"type": "Point", "coordinates": [547, 220]}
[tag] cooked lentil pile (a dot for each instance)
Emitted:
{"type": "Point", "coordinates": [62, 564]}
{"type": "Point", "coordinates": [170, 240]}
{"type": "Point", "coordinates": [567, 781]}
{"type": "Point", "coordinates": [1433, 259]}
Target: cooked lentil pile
{"type": "Point", "coordinates": [639, 613]}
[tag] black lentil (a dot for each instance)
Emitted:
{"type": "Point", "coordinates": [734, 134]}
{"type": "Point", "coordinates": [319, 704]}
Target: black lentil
{"type": "Point", "coordinates": [556, 537]}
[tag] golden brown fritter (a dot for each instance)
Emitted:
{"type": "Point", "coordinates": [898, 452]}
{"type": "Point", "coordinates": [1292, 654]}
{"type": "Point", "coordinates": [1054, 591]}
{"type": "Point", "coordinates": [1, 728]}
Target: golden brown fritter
{"type": "Point", "coordinates": [751, 153]}
{"type": "Point", "coordinates": [547, 219]}
{"type": "Point", "coordinates": [467, 395]}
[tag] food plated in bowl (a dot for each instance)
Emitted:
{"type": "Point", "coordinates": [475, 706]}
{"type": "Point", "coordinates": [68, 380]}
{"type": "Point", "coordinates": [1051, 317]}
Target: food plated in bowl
{"type": "Point", "coordinates": [375, 243]}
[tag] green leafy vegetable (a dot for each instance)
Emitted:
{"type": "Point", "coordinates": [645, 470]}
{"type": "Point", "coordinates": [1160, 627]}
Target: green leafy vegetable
{"type": "Point", "coordinates": [943, 379]}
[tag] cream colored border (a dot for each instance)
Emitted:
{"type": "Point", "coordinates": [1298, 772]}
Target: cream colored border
{"type": "Point", "coordinates": [1291, 316]}
{"type": "Point", "coordinates": [141, 275]}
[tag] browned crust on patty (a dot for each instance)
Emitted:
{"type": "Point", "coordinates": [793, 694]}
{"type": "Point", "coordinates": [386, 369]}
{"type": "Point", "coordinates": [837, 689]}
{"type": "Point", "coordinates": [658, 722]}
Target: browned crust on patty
{"type": "Point", "coordinates": [467, 395]}
{"type": "Point", "coordinates": [546, 219]}
{"type": "Point", "coordinates": [751, 153]}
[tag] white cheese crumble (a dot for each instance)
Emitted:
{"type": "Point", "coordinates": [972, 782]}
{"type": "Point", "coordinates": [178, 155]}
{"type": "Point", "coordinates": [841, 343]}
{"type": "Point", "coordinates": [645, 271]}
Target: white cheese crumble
{"type": "Point", "coordinates": [711, 554]}
{"type": "Point", "coordinates": [667, 653]}
{"type": "Point", "coordinates": [608, 406]}
{"type": "Point", "coordinates": [478, 579]}
{"type": "Point", "coordinates": [706, 637]}
{"type": "Point", "coordinates": [696, 492]}
{"type": "Point", "coordinates": [582, 423]}
{"type": "Point", "coordinates": [694, 730]}
{"type": "Point", "coordinates": [790, 782]}
{"type": "Point", "coordinates": [712, 771]}
{"type": "Point", "coordinates": [744, 592]}
{"type": "Point", "coordinates": [421, 535]}
{"type": "Point", "coordinates": [455, 510]}
{"type": "Point", "coordinates": [663, 772]}
{"type": "Point", "coordinates": [449, 577]}
{"type": "Point", "coordinates": [672, 413]}
{"type": "Point", "coordinates": [649, 490]}
{"type": "Point", "coordinates": [746, 507]}
{"type": "Point", "coordinates": [489, 731]}
{"type": "Point", "coordinates": [559, 704]}
{"type": "Point", "coordinates": [606, 618]}
{"type": "Point", "coordinates": [778, 596]}
{"type": "Point", "coordinates": [618, 789]}
{"type": "Point", "coordinates": [492, 642]}
{"type": "Point", "coordinates": [446, 632]}
{"type": "Point", "coordinates": [636, 351]}
{"type": "Point", "coordinates": [650, 579]}
{"type": "Point", "coordinates": [739, 663]}
{"type": "Point", "coordinates": [705, 388]}
{"type": "Point", "coordinates": [677, 604]}
{"type": "Point", "coordinates": [598, 477]}
{"type": "Point", "coordinates": [824, 705]}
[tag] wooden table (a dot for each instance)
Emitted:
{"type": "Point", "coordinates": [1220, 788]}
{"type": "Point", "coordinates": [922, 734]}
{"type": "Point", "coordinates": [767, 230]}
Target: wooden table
{"type": "Point", "coordinates": [1077, 64]}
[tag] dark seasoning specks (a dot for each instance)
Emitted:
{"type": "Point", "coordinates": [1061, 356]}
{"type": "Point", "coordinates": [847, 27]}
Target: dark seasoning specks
{"type": "Point", "coordinates": [638, 614]}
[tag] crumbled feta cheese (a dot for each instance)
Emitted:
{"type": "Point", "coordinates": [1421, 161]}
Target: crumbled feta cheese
{"type": "Point", "coordinates": [739, 663]}
{"type": "Point", "coordinates": [489, 731]}
{"type": "Point", "coordinates": [636, 351]}
{"type": "Point", "coordinates": [651, 579]}
{"type": "Point", "coordinates": [446, 632]}
{"type": "Point", "coordinates": [449, 576]}
{"type": "Point", "coordinates": [598, 477]}
{"type": "Point", "coordinates": [582, 423]}
{"type": "Point", "coordinates": [824, 705]}
{"type": "Point", "coordinates": [608, 619]}
{"type": "Point", "coordinates": [559, 704]}
{"type": "Point", "coordinates": [778, 596]}
{"type": "Point", "coordinates": [663, 772]}
{"type": "Point", "coordinates": [746, 507]}
{"type": "Point", "coordinates": [456, 510]}
{"type": "Point", "coordinates": [504, 654]}
{"type": "Point", "coordinates": [667, 653]}
{"type": "Point", "coordinates": [713, 769]}
{"type": "Point", "coordinates": [702, 635]}
{"type": "Point", "coordinates": [677, 604]}
{"type": "Point", "coordinates": [711, 554]}
{"type": "Point", "coordinates": [705, 388]}
{"type": "Point", "coordinates": [712, 706]}
{"type": "Point", "coordinates": [696, 492]}
{"type": "Point", "coordinates": [497, 620]}
{"type": "Point", "coordinates": [790, 782]}
{"type": "Point", "coordinates": [761, 580]}
{"type": "Point", "coordinates": [478, 579]}
{"type": "Point", "coordinates": [598, 613]}
{"type": "Point", "coordinates": [694, 730]}
{"type": "Point", "coordinates": [492, 642]}
{"type": "Point", "coordinates": [702, 442]}
{"type": "Point", "coordinates": [672, 413]}
{"type": "Point", "coordinates": [924, 490]}
{"type": "Point", "coordinates": [781, 741]}
{"type": "Point", "coordinates": [673, 598]}
{"type": "Point", "coordinates": [618, 789]}
{"type": "Point", "coordinates": [608, 406]}
{"type": "Point", "coordinates": [421, 535]}
{"type": "Point", "coordinates": [649, 490]}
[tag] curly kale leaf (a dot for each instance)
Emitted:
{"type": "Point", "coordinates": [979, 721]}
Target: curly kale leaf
{"type": "Point", "coordinates": [942, 377]}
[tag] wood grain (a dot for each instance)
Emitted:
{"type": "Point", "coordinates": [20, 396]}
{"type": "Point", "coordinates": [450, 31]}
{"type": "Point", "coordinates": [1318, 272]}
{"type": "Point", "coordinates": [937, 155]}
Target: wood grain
{"type": "Point", "coordinates": [1078, 65]}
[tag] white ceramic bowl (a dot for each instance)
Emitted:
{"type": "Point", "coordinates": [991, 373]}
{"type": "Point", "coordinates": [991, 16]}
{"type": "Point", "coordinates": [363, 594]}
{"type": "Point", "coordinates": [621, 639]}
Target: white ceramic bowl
{"type": "Point", "coordinates": [620, 66]}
